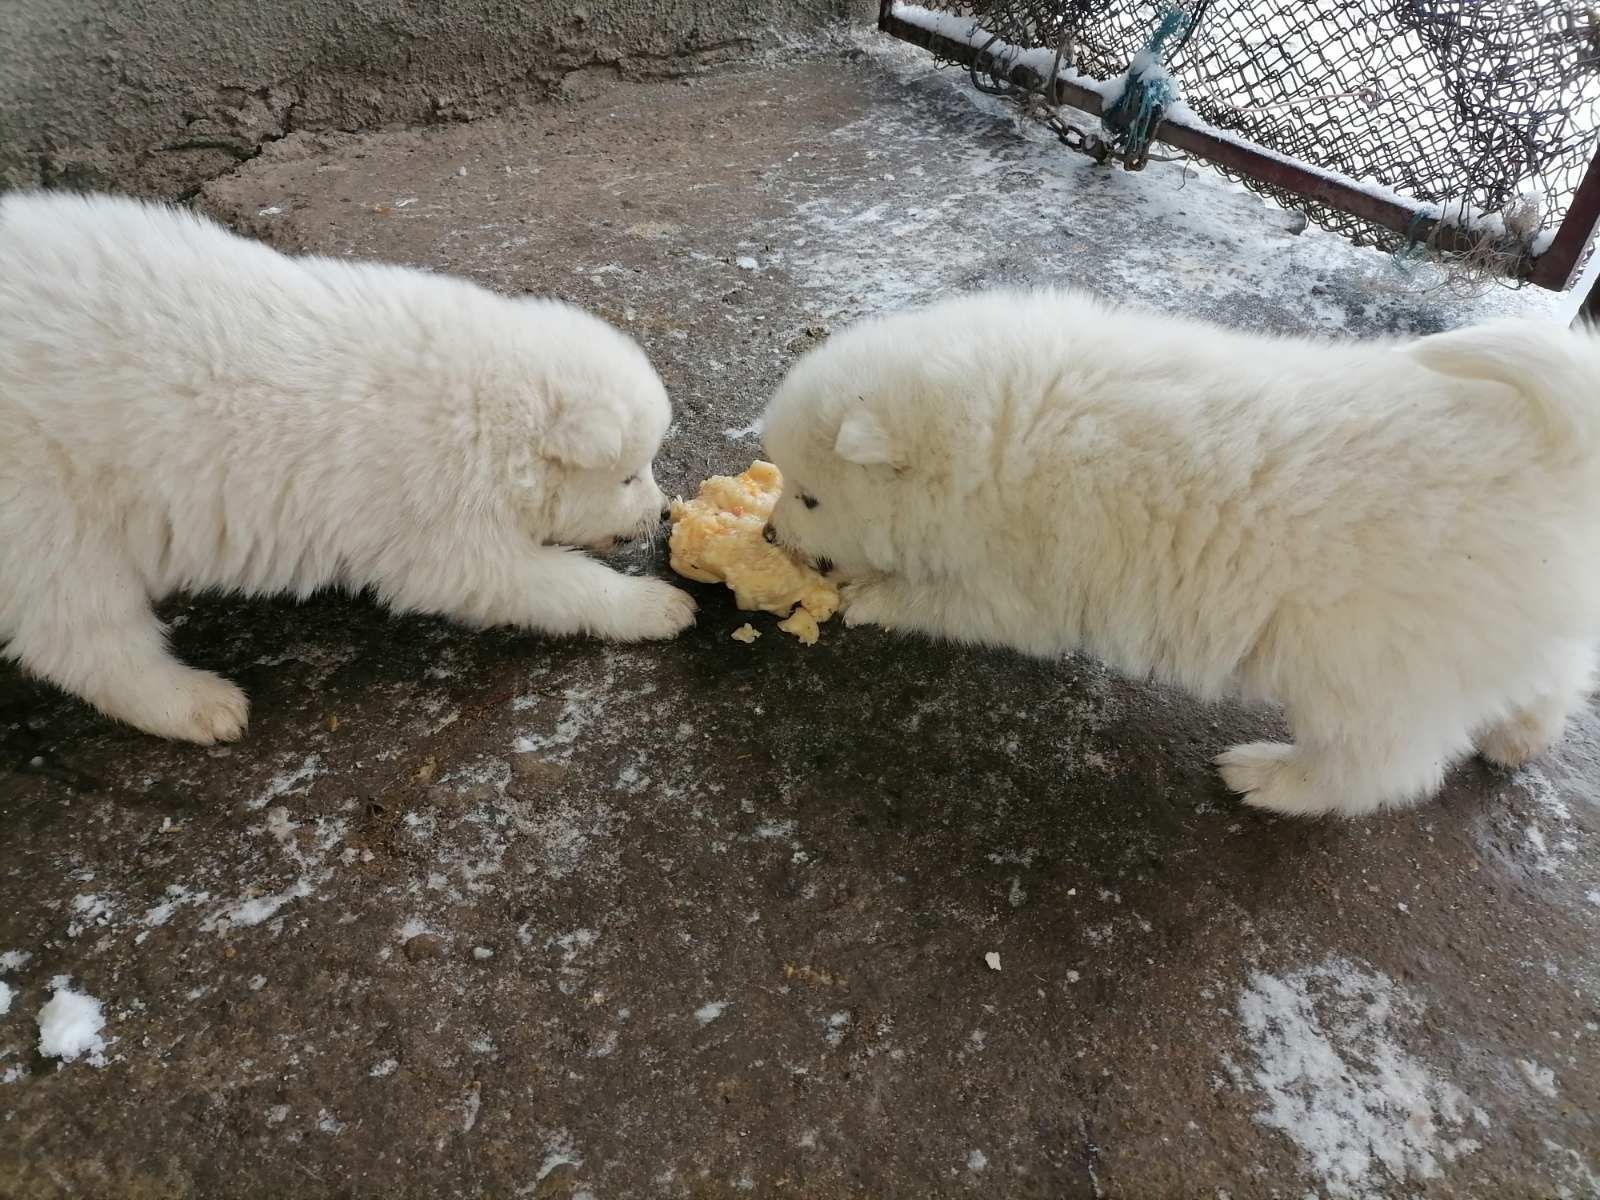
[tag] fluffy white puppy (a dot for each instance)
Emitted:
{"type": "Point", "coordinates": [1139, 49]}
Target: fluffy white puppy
{"type": "Point", "coordinates": [1398, 542]}
{"type": "Point", "coordinates": [182, 409]}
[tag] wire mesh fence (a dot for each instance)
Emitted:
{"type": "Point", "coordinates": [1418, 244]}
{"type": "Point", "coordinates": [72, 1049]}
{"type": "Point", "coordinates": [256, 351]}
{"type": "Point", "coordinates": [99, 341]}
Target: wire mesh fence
{"type": "Point", "coordinates": [1488, 104]}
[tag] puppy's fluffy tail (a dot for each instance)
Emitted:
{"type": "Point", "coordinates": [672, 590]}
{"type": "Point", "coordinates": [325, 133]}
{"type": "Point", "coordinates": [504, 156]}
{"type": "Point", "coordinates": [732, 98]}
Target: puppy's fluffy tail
{"type": "Point", "coordinates": [1554, 369]}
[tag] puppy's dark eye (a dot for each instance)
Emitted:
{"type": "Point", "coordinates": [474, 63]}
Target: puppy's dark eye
{"type": "Point", "coordinates": [808, 500]}
{"type": "Point", "coordinates": [630, 479]}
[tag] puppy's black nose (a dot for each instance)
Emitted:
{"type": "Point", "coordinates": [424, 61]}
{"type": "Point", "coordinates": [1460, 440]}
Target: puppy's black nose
{"type": "Point", "coordinates": [770, 534]}
{"type": "Point", "coordinates": [666, 511]}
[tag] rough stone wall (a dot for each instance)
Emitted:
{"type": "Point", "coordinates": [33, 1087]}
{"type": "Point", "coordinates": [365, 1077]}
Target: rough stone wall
{"type": "Point", "coordinates": [156, 96]}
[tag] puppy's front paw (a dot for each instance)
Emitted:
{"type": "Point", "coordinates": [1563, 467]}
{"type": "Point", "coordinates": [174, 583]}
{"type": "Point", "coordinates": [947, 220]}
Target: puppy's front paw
{"type": "Point", "coordinates": [190, 706]}
{"type": "Point", "coordinates": [1515, 742]}
{"type": "Point", "coordinates": [652, 610]}
{"type": "Point", "coordinates": [870, 602]}
{"type": "Point", "coordinates": [1269, 776]}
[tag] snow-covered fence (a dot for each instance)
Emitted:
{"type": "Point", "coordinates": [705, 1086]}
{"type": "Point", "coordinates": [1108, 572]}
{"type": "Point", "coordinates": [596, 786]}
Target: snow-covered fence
{"type": "Point", "coordinates": [1467, 126]}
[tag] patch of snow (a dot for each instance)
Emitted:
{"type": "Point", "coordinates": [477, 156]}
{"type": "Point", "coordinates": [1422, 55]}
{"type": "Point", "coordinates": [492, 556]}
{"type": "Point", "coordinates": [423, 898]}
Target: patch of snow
{"type": "Point", "coordinates": [573, 944]}
{"type": "Point", "coordinates": [1543, 792]}
{"type": "Point", "coordinates": [746, 263]}
{"type": "Point", "coordinates": [248, 913]}
{"type": "Point", "coordinates": [1575, 1167]}
{"type": "Point", "coordinates": [6, 995]}
{"type": "Point", "coordinates": [710, 1011]}
{"type": "Point", "coordinates": [1339, 1083]}
{"type": "Point", "coordinates": [1022, 858]}
{"type": "Point", "coordinates": [14, 960]}
{"type": "Point", "coordinates": [969, 32]}
{"type": "Point", "coordinates": [582, 705]}
{"type": "Point", "coordinates": [631, 780]}
{"type": "Point", "coordinates": [1534, 837]}
{"type": "Point", "coordinates": [177, 896]}
{"type": "Point", "coordinates": [1547, 798]}
{"type": "Point", "coordinates": [559, 1151]}
{"type": "Point", "coordinates": [977, 1160]}
{"type": "Point", "coordinates": [742, 432]}
{"type": "Point", "coordinates": [834, 1028]}
{"type": "Point", "coordinates": [88, 909]}
{"type": "Point", "coordinates": [288, 783]}
{"type": "Point", "coordinates": [249, 910]}
{"type": "Point", "coordinates": [70, 1024]}
{"type": "Point", "coordinates": [572, 832]}
{"type": "Point", "coordinates": [421, 825]}
{"type": "Point", "coordinates": [1540, 1079]}
{"type": "Point", "coordinates": [92, 908]}
{"type": "Point", "coordinates": [383, 1069]}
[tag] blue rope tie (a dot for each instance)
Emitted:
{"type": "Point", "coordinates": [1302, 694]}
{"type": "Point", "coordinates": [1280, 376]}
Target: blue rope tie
{"type": "Point", "coordinates": [1146, 93]}
{"type": "Point", "coordinates": [1407, 253]}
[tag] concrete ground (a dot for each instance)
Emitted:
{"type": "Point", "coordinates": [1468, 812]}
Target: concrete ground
{"type": "Point", "coordinates": [489, 915]}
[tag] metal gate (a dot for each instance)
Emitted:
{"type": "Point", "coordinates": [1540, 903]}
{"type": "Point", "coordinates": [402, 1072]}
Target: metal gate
{"type": "Point", "coordinates": [1466, 126]}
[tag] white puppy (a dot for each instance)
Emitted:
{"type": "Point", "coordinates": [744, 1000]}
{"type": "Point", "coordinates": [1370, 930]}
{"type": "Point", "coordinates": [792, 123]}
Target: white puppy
{"type": "Point", "coordinates": [182, 409]}
{"type": "Point", "coordinates": [1400, 543]}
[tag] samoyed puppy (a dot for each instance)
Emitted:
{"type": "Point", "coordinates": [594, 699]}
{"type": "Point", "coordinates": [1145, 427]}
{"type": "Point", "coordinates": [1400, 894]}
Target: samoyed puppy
{"type": "Point", "coordinates": [1399, 542]}
{"type": "Point", "coordinates": [185, 410]}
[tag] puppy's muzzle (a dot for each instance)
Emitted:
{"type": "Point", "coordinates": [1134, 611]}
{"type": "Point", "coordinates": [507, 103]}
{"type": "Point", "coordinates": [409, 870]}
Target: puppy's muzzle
{"type": "Point", "coordinates": [822, 565]}
{"type": "Point", "coordinates": [643, 531]}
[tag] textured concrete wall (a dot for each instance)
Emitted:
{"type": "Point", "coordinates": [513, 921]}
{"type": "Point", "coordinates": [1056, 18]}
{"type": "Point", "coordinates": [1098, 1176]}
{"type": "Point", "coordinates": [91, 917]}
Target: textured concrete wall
{"type": "Point", "coordinates": [159, 95]}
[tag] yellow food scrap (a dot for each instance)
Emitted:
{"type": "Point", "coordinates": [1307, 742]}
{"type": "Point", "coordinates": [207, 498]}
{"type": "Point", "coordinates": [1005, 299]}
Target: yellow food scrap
{"type": "Point", "coordinates": [716, 538]}
{"type": "Point", "coordinates": [746, 633]}
{"type": "Point", "coordinates": [803, 625]}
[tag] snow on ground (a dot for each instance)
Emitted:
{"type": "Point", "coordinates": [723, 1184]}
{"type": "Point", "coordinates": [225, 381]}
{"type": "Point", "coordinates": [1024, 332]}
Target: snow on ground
{"type": "Point", "coordinates": [70, 1024]}
{"type": "Point", "coordinates": [1330, 1063]}
{"type": "Point", "coordinates": [943, 191]}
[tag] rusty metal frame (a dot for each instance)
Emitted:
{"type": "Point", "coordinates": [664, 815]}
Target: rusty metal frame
{"type": "Point", "coordinates": [1554, 269]}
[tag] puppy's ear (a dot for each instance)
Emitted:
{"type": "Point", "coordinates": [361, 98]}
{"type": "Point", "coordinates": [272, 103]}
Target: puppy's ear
{"type": "Point", "coordinates": [864, 441]}
{"type": "Point", "coordinates": [585, 435]}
